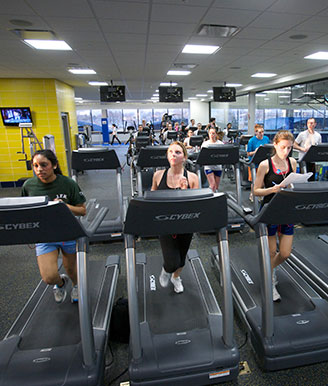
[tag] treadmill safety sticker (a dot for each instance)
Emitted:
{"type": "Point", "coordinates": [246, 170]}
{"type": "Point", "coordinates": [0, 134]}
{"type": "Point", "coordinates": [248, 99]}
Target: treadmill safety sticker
{"type": "Point", "coordinates": [219, 374]}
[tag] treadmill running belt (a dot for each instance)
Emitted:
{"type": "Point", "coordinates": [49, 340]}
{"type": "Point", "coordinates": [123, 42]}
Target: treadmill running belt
{"type": "Point", "coordinates": [246, 264]}
{"type": "Point", "coordinates": [55, 325]}
{"type": "Point", "coordinates": [167, 311]}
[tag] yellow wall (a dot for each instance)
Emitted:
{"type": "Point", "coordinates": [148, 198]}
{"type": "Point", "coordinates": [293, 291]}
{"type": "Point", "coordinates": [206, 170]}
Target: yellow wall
{"type": "Point", "coordinates": [46, 99]}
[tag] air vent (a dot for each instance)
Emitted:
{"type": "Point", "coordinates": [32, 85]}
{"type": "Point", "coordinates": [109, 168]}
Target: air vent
{"type": "Point", "coordinates": [218, 30]}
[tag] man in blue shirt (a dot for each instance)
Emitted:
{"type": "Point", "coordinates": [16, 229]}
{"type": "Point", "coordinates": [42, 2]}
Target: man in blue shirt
{"type": "Point", "coordinates": [253, 144]}
{"type": "Point", "coordinates": [258, 140]}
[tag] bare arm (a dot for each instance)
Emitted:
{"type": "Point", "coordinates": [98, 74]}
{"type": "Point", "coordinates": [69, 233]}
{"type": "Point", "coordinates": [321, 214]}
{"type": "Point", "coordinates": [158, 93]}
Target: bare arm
{"type": "Point", "coordinates": [298, 147]}
{"type": "Point", "coordinates": [259, 189]}
{"type": "Point", "coordinates": [193, 180]}
{"type": "Point", "coordinates": [156, 179]}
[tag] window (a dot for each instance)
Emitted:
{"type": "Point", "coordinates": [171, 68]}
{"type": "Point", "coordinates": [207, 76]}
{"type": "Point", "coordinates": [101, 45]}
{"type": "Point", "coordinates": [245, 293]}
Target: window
{"type": "Point", "coordinates": [83, 117]}
{"type": "Point", "coordinates": [115, 116]}
{"type": "Point", "coordinates": [176, 115]}
{"type": "Point", "coordinates": [186, 116]}
{"type": "Point", "coordinates": [130, 117]}
{"type": "Point", "coordinates": [96, 120]}
{"type": "Point", "coordinates": [158, 114]}
{"type": "Point", "coordinates": [146, 114]}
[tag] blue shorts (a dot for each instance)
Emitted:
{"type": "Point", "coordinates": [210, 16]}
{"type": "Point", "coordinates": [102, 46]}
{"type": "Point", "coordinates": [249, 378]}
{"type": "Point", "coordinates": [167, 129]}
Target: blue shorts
{"type": "Point", "coordinates": [216, 172]}
{"type": "Point", "coordinates": [65, 246]}
{"type": "Point", "coordinates": [284, 229]}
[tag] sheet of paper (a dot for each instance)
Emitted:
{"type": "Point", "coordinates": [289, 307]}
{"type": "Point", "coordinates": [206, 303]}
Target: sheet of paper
{"type": "Point", "coordinates": [293, 178]}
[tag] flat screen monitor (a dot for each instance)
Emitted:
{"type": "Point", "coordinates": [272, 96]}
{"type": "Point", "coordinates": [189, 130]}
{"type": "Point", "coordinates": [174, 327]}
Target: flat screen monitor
{"type": "Point", "coordinates": [170, 94]}
{"type": "Point", "coordinates": [13, 116]}
{"type": "Point", "coordinates": [112, 93]}
{"type": "Point", "coordinates": [224, 94]}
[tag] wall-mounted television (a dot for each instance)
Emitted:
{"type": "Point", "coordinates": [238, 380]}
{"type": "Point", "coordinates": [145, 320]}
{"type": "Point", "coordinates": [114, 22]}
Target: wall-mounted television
{"type": "Point", "coordinates": [13, 116]}
{"type": "Point", "coordinates": [170, 94]}
{"type": "Point", "coordinates": [112, 93]}
{"type": "Point", "coordinates": [224, 94]}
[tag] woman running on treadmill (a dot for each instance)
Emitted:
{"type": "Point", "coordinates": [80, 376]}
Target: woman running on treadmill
{"type": "Point", "coordinates": [174, 247]}
{"type": "Point", "coordinates": [49, 181]}
{"type": "Point", "coordinates": [213, 172]}
{"type": "Point", "coordinates": [269, 180]}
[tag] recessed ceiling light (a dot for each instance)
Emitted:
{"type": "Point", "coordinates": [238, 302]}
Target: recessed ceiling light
{"type": "Point", "coordinates": [168, 84]}
{"type": "Point", "coordinates": [201, 95]}
{"type": "Point", "coordinates": [210, 91]}
{"type": "Point", "coordinates": [178, 72]}
{"type": "Point", "coordinates": [320, 55]}
{"type": "Point", "coordinates": [155, 95]}
{"type": "Point", "coordinates": [284, 96]}
{"type": "Point", "coordinates": [192, 98]}
{"type": "Point", "coordinates": [199, 49]}
{"type": "Point", "coordinates": [263, 75]}
{"type": "Point", "coordinates": [233, 84]}
{"type": "Point", "coordinates": [82, 71]}
{"type": "Point", "coordinates": [157, 90]}
{"type": "Point", "coordinates": [59, 45]}
{"type": "Point", "coordinates": [309, 93]}
{"type": "Point", "coordinates": [96, 83]}
{"type": "Point", "coordinates": [78, 98]}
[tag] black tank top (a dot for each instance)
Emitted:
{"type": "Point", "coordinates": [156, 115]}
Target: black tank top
{"type": "Point", "coordinates": [163, 184]}
{"type": "Point", "coordinates": [272, 178]}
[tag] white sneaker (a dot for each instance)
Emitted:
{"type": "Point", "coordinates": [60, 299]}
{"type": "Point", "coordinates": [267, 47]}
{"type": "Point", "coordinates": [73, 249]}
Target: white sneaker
{"type": "Point", "coordinates": [164, 278]}
{"type": "Point", "coordinates": [60, 293]}
{"type": "Point", "coordinates": [251, 199]}
{"type": "Point", "coordinates": [177, 282]}
{"type": "Point", "coordinates": [275, 294]}
{"type": "Point", "coordinates": [274, 277]}
{"type": "Point", "coordinates": [75, 294]}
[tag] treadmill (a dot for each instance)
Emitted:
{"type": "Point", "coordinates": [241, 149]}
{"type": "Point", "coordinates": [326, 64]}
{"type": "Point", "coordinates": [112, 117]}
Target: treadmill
{"type": "Point", "coordinates": [178, 339]}
{"type": "Point", "coordinates": [49, 343]}
{"type": "Point", "coordinates": [227, 154]}
{"type": "Point", "coordinates": [150, 158]}
{"type": "Point", "coordinates": [101, 159]}
{"type": "Point", "coordinates": [309, 257]}
{"type": "Point", "coordinates": [316, 153]}
{"type": "Point", "coordinates": [292, 332]}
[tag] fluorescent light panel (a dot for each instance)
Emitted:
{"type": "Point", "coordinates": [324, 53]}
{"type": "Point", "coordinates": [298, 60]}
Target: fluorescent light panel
{"type": "Point", "coordinates": [234, 84]}
{"type": "Point", "coordinates": [263, 75]}
{"type": "Point", "coordinates": [320, 55]}
{"type": "Point", "coordinates": [199, 49]}
{"type": "Point", "coordinates": [168, 84]}
{"type": "Point", "coordinates": [96, 83]}
{"type": "Point", "coordinates": [82, 71]}
{"type": "Point", "coordinates": [59, 45]}
{"type": "Point", "coordinates": [178, 72]}
{"type": "Point", "coordinates": [201, 95]}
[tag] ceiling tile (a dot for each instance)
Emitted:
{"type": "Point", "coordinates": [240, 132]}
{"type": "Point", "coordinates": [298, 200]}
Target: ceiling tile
{"type": "Point", "coordinates": [61, 8]}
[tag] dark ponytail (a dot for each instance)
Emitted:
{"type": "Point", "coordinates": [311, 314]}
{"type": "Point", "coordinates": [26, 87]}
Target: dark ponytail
{"type": "Point", "coordinates": [50, 155]}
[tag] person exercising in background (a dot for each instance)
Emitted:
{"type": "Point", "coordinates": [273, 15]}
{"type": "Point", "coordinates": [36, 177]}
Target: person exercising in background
{"type": "Point", "coordinates": [174, 247]}
{"type": "Point", "coordinates": [213, 172]}
{"type": "Point", "coordinates": [49, 181]}
{"type": "Point", "coordinates": [270, 174]}
{"type": "Point", "coordinates": [254, 143]}
{"type": "Point", "coordinates": [305, 140]}
{"type": "Point", "coordinates": [114, 134]}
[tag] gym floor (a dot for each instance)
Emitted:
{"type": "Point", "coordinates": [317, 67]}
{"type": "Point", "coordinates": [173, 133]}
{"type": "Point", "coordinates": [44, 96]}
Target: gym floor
{"type": "Point", "coordinates": [19, 275]}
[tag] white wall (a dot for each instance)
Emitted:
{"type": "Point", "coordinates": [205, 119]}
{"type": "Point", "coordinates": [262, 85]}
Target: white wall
{"type": "Point", "coordinates": [200, 111]}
